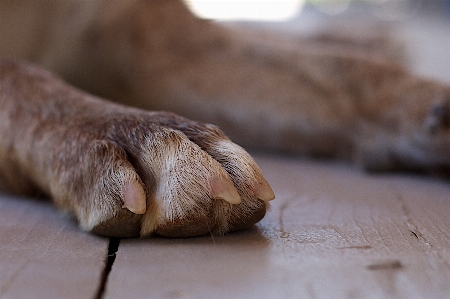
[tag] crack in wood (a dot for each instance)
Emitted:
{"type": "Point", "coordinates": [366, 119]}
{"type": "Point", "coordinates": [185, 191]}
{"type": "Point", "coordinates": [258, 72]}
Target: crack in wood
{"type": "Point", "coordinates": [409, 222]}
{"type": "Point", "coordinates": [430, 252]}
{"type": "Point", "coordinates": [387, 265]}
{"type": "Point", "coordinates": [283, 207]}
{"type": "Point", "coordinates": [285, 202]}
{"type": "Point", "coordinates": [362, 247]}
{"type": "Point", "coordinates": [109, 261]}
{"type": "Point", "coordinates": [414, 233]}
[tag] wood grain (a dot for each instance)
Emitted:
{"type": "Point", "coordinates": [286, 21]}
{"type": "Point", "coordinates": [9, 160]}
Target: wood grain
{"type": "Point", "coordinates": [44, 255]}
{"type": "Point", "coordinates": [333, 232]}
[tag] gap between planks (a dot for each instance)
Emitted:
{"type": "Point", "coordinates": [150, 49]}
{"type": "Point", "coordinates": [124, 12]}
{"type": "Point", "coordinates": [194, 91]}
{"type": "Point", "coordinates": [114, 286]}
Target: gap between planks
{"type": "Point", "coordinates": [113, 247]}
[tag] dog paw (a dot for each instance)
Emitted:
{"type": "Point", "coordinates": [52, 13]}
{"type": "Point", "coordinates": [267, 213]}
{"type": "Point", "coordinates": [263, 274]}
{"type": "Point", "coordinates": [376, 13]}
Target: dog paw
{"type": "Point", "coordinates": [159, 173]}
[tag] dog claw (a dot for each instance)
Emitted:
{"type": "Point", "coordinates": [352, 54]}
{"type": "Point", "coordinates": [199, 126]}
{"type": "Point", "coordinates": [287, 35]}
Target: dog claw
{"type": "Point", "coordinates": [263, 191]}
{"type": "Point", "coordinates": [225, 190]}
{"type": "Point", "coordinates": [134, 197]}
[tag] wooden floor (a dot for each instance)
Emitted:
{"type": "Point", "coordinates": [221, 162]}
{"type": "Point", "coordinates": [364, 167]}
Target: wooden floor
{"type": "Point", "coordinates": [332, 232]}
{"type": "Point", "coordinates": [349, 236]}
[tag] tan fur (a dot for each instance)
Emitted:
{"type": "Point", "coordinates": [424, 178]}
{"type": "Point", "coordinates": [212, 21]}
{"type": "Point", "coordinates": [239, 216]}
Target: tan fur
{"type": "Point", "coordinates": [316, 96]}
{"type": "Point", "coordinates": [84, 152]}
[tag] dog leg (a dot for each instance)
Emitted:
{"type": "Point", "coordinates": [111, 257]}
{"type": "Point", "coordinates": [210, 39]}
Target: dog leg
{"type": "Point", "coordinates": [122, 171]}
{"type": "Point", "coordinates": [323, 101]}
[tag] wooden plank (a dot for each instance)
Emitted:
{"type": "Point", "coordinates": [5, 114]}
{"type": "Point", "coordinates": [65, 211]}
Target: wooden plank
{"type": "Point", "coordinates": [44, 255]}
{"type": "Point", "coordinates": [333, 232]}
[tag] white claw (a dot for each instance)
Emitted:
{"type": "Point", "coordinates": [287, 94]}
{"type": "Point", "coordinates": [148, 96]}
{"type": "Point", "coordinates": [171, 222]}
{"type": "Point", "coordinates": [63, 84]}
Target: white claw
{"type": "Point", "coordinates": [263, 191]}
{"type": "Point", "coordinates": [134, 197]}
{"type": "Point", "coordinates": [224, 189]}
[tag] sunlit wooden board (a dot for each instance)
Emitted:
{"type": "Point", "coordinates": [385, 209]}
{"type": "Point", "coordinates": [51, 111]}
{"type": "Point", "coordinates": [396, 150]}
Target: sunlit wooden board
{"type": "Point", "coordinates": [333, 232]}
{"type": "Point", "coordinates": [44, 255]}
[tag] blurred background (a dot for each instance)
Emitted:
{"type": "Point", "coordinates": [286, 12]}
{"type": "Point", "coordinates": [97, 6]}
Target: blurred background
{"type": "Point", "coordinates": [281, 10]}
{"type": "Point", "coordinates": [423, 26]}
